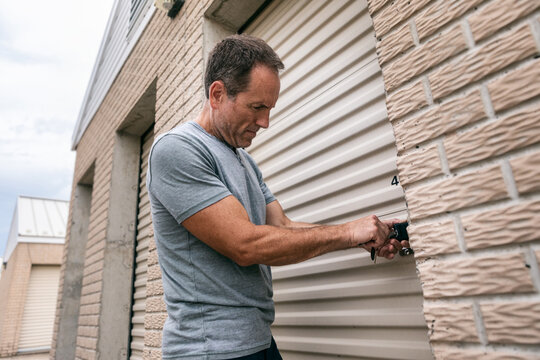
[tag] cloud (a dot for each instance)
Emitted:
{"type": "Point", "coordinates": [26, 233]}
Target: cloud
{"type": "Point", "coordinates": [46, 57]}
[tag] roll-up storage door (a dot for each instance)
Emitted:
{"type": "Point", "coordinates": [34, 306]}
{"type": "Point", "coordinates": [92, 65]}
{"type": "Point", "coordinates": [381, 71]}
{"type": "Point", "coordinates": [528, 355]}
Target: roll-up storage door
{"type": "Point", "coordinates": [329, 156]}
{"type": "Point", "coordinates": [144, 236]}
{"type": "Point", "coordinates": [39, 308]}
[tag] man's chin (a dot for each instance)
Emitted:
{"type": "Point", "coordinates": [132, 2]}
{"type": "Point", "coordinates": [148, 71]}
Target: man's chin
{"type": "Point", "coordinates": [246, 141]}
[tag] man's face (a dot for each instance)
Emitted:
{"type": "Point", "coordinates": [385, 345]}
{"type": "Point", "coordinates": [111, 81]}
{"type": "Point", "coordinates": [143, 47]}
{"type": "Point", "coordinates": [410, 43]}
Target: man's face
{"type": "Point", "coordinates": [239, 119]}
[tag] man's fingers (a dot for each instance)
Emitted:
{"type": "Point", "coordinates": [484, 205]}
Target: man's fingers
{"type": "Point", "coordinates": [390, 223]}
{"type": "Point", "coordinates": [390, 249]}
{"type": "Point", "coordinates": [398, 245]}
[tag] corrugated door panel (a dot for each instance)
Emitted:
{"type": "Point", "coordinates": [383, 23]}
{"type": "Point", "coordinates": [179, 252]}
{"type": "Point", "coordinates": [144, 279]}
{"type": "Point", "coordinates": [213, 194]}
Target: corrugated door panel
{"type": "Point", "coordinates": [39, 308]}
{"type": "Point", "coordinates": [329, 156]}
{"type": "Point", "coordinates": [141, 254]}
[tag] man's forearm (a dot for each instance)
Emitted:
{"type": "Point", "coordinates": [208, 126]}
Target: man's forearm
{"type": "Point", "coordinates": [301, 225]}
{"type": "Point", "coordinates": [271, 245]}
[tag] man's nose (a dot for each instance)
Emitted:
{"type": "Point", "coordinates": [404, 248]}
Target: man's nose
{"type": "Point", "coordinates": [264, 120]}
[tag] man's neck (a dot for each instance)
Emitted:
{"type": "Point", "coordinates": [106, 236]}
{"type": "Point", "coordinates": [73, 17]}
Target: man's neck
{"type": "Point", "coordinates": [205, 121]}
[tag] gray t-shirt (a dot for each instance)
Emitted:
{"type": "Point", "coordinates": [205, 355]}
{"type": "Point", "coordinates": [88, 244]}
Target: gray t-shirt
{"type": "Point", "coordinates": [216, 308]}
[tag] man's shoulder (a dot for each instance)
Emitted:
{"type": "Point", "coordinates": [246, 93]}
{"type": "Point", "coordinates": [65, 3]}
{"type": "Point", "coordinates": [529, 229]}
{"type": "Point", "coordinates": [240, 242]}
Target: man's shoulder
{"type": "Point", "coordinates": [182, 132]}
{"type": "Point", "coordinates": [178, 138]}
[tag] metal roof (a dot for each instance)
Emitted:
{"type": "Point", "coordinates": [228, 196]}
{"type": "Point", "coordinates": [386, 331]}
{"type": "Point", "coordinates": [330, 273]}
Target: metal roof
{"type": "Point", "coordinates": [37, 220]}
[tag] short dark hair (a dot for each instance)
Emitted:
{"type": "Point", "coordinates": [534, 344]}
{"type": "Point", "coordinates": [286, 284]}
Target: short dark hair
{"type": "Point", "coordinates": [232, 59]}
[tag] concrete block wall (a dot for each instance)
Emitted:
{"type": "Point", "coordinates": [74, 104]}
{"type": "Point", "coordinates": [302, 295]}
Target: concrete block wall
{"type": "Point", "coordinates": [169, 50]}
{"type": "Point", "coordinates": [462, 83]}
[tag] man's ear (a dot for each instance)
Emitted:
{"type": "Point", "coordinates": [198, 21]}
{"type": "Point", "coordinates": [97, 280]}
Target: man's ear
{"type": "Point", "coordinates": [217, 93]}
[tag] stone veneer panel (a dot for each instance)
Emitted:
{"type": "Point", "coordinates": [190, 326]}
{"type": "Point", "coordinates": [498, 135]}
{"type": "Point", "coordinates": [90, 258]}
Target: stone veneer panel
{"type": "Point", "coordinates": [475, 276]}
{"type": "Point", "coordinates": [441, 13]}
{"type": "Point", "coordinates": [516, 87]}
{"type": "Point", "coordinates": [154, 288]}
{"type": "Point", "coordinates": [152, 354]}
{"type": "Point", "coordinates": [514, 224]}
{"type": "Point", "coordinates": [155, 321]}
{"type": "Point", "coordinates": [395, 43]}
{"type": "Point", "coordinates": [454, 353]}
{"type": "Point", "coordinates": [512, 323]}
{"type": "Point", "coordinates": [494, 56]}
{"type": "Point", "coordinates": [155, 304]}
{"type": "Point", "coordinates": [419, 165]}
{"type": "Point", "coordinates": [395, 13]}
{"type": "Point", "coordinates": [456, 193]}
{"type": "Point", "coordinates": [513, 132]}
{"type": "Point", "coordinates": [152, 338]}
{"type": "Point", "coordinates": [402, 102]}
{"type": "Point", "coordinates": [440, 120]}
{"type": "Point", "coordinates": [424, 57]}
{"type": "Point", "coordinates": [153, 273]}
{"type": "Point", "coordinates": [442, 324]}
{"type": "Point", "coordinates": [433, 239]}
{"type": "Point", "coordinates": [526, 171]}
{"type": "Point", "coordinates": [152, 258]}
{"type": "Point", "coordinates": [505, 11]}
{"type": "Point", "coordinates": [375, 5]}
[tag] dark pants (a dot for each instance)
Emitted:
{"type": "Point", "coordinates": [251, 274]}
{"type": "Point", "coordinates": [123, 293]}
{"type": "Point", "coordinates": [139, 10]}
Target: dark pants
{"type": "Point", "coordinates": [272, 353]}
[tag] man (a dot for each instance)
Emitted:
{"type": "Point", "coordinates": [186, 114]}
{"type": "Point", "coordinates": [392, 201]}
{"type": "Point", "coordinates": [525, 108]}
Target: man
{"type": "Point", "coordinates": [218, 227]}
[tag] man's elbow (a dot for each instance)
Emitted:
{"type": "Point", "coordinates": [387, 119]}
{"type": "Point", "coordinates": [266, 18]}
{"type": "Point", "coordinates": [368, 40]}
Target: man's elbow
{"type": "Point", "coordinates": [245, 256]}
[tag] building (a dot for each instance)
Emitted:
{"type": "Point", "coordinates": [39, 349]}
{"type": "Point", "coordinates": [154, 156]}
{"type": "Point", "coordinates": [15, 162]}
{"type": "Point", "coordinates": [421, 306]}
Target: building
{"type": "Point", "coordinates": [424, 109]}
{"type": "Point", "coordinates": [30, 277]}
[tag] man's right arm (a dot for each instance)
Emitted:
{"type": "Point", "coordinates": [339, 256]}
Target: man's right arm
{"type": "Point", "coordinates": [225, 227]}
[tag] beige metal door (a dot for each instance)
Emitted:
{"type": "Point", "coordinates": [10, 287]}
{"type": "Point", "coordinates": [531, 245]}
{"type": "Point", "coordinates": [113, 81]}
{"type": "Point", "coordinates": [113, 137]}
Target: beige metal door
{"type": "Point", "coordinates": [39, 308]}
{"type": "Point", "coordinates": [144, 236]}
{"type": "Point", "coordinates": [329, 156]}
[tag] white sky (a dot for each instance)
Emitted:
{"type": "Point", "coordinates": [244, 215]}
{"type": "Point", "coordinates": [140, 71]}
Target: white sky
{"type": "Point", "coordinates": [47, 52]}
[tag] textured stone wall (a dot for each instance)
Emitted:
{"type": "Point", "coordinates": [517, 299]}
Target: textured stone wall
{"type": "Point", "coordinates": [462, 83]}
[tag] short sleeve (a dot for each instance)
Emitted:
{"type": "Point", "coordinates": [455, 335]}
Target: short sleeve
{"type": "Point", "coordinates": [268, 196]}
{"type": "Point", "coordinates": [182, 176]}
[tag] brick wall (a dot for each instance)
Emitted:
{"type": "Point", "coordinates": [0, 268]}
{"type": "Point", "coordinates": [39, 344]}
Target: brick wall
{"type": "Point", "coordinates": [12, 294]}
{"type": "Point", "coordinates": [462, 80]}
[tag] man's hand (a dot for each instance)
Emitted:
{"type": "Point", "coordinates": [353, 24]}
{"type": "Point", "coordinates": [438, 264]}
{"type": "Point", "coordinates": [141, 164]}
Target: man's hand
{"type": "Point", "coordinates": [391, 248]}
{"type": "Point", "coordinates": [369, 232]}
{"type": "Point", "coordinates": [385, 246]}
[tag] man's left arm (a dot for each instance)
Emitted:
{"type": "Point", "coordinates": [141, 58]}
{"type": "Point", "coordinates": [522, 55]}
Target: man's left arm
{"type": "Point", "coordinates": [275, 216]}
